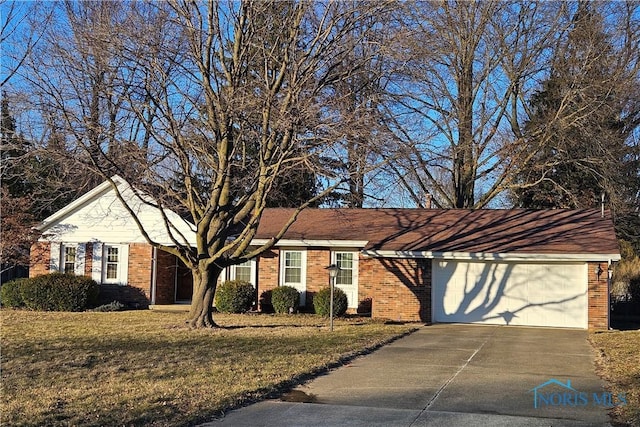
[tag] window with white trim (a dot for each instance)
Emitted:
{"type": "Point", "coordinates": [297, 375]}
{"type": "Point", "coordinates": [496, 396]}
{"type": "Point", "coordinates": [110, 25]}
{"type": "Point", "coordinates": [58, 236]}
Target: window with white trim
{"type": "Point", "coordinates": [111, 262]}
{"type": "Point", "coordinates": [69, 259]}
{"type": "Point", "coordinates": [114, 264]}
{"type": "Point", "coordinates": [244, 271]}
{"type": "Point", "coordinates": [344, 261]}
{"type": "Point", "coordinates": [292, 267]}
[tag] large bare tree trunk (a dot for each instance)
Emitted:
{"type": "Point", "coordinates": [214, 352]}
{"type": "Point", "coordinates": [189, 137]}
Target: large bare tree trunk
{"type": "Point", "coordinates": [205, 280]}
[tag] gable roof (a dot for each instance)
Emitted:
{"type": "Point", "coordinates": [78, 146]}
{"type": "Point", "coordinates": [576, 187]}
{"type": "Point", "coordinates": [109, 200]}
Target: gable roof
{"type": "Point", "coordinates": [450, 231]}
{"type": "Point", "coordinates": [100, 215]}
{"type": "Point", "coordinates": [553, 234]}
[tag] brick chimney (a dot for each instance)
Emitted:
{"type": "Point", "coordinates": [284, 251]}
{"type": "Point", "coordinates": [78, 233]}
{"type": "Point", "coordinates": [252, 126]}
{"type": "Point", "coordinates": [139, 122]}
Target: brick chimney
{"type": "Point", "coordinates": [428, 199]}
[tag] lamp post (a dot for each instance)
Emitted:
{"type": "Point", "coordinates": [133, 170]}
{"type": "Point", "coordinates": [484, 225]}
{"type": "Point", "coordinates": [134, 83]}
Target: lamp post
{"type": "Point", "coordinates": [333, 272]}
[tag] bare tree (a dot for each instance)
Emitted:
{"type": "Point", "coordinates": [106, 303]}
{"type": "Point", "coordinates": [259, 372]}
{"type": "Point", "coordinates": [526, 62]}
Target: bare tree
{"type": "Point", "coordinates": [358, 104]}
{"type": "Point", "coordinates": [462, 104]}
{"type": "Point", "coordinates": [468, 69]}
{"type": "Point", "coordinates": [211, 102]}
{"type": "Point", "coordinates": [17, 38]}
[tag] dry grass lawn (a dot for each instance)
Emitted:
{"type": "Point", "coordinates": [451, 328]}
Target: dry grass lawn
{"type": "Point", "coordinates": [619, 364]}
{"type": "Point", "coordinates": [147, 368]}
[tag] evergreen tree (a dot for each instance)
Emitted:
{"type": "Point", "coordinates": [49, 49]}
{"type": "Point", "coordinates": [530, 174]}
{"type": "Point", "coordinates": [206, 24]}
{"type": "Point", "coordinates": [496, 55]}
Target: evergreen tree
{"type": "Point", "coordinates": [13, 153]}
{"type": "Point", "coordinates": [578, 129]}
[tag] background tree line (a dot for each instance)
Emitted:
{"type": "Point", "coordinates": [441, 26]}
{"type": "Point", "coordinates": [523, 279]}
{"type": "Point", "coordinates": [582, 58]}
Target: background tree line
{"type": "Point", "coordinates": [220, 109]}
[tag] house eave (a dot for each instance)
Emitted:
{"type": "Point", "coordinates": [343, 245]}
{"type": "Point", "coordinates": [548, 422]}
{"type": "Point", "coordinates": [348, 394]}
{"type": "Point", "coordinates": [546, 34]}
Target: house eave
{"type": "Point", "coordinates": [508, 256]}
{"type": "Point", "coordinates": [324, 243]}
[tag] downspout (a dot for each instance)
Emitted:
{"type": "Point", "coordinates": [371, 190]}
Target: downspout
{"type": "Point", "coordinates": [609, 275]}
{"type": "Point", "coordinates": [175, 281]}
{"type": "Point", "coordinates": [154, 274]}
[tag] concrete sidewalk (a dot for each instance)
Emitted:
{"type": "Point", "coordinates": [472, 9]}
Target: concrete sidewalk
{"type": "Point", "coordinates": [449, 375]}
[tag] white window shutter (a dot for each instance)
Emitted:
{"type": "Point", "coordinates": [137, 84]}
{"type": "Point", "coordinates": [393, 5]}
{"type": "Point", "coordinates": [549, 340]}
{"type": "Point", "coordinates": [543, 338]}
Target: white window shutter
{"type": "Point", "coordinates": [81, 254]}
{"type": "Point", "coordinates": [96, 262]}
{"type": "Point", "coordinates": [356, 268]}
{"type": "Point", "coordinates": [124, 265]}
{"type": "Point", "coordinates": [54, 257]}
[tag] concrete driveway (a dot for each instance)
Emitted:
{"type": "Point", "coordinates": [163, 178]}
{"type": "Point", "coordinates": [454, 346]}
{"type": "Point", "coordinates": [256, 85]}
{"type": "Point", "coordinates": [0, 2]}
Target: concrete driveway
{"type": "Point", "coordinates": [451, 375]}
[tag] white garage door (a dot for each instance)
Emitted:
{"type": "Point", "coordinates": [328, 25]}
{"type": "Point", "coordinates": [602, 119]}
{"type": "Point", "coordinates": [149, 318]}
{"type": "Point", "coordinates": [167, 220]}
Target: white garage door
{"type": "Point", "coordinates": [526, 294]}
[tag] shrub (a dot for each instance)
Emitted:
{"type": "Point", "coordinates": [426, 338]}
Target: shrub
{"type": "Point", "coordinates": [235, 296]}
{"type": "Point", "coordinates": [59, 292]}
{"type": "Point", "coordinates": [322, 302]}
{"type": "Point", "coordinates": [285, 299]}
{"type": "Point", "coordinates": [625, 284]}
{"type": "Point", "coordinates": [11, 294]}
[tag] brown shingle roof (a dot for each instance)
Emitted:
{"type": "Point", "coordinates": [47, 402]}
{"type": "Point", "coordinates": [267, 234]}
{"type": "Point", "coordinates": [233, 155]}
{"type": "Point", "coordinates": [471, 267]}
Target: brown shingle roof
{"type": "Point", "coordinates": [453, 230]}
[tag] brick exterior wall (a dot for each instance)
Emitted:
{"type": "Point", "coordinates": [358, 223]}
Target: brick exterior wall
{"type": "Point", "coordinates": [268, 267]}
{"type": "Point", "coordinates": [88, 261]}
{"type": "Point", "coordinates": [597, 295]}
{"type": "Point", "coordinates": [137, 291]}
{"type": "Point", "coordinates": [400, 289]}
{"type": "Point", "coordinates": [268, 271]}
{"type": "Point", "coordinates": [140, 267]}
{"type": "Point", "coordinates": [317, 274]}
{"type": "Point", "coordinates": [40, 259]}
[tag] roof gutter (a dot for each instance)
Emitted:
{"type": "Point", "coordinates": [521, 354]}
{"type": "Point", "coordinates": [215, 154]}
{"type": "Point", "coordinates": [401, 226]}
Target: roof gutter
{"type": "Point", "coordinates": [480, 256]}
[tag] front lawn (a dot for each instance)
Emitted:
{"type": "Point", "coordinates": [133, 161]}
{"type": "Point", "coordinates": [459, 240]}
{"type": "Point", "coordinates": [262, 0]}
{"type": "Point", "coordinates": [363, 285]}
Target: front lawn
{"type": "Point", "coordinates": [618, 362]}
{"type": "Point", "coordinates": [147, 368]}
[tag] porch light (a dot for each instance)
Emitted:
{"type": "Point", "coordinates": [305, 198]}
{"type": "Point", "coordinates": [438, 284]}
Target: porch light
{"type": "Point", "coordinates": [333, 272]}
{"type": "Point", "coordinates": [610, 271]}
{"type": "Point", "coordinates": [598, 270]}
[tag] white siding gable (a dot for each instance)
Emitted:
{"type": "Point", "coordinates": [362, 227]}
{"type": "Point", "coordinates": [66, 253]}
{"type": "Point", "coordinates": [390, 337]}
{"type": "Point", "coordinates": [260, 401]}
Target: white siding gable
{"type": "Point", "coordinates": [100, 216]}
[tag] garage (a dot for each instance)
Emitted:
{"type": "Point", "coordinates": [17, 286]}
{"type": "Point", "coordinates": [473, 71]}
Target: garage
{"type": "Point", "coordinates": [510, 293]}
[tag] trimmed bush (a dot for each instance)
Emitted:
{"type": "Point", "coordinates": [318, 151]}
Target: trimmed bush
{"type": "Point", "coordinates": [60, 292]}
{"type": "Point", "coordinates": [235, 296]}
{"type": "Point", "coordinates": [11, 294]}
{"type": "Point", "coordinates": [322, 302]}
{"type": "Point", "coordinates": [285, 299]}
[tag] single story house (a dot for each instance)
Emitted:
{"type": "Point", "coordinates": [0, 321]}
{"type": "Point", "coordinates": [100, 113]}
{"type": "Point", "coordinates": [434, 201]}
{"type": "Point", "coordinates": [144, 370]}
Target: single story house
{"type": "Point", "coordinates": [96, 236]}
{"type": "Point", "coordinates": [512, 267]}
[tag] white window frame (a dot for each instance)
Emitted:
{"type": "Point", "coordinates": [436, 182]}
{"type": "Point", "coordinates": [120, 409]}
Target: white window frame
{"type": "Point", "coordinates": [303, 267]}
{"type": "Point", "coordinates": [57, 261]}
{"type": "Point", "coordinates": [353, 303]}
{"type": "Point", "coordinates": [68, 250]}
{"type": "Point", "coordinates": [122, 265]}
{"type": "Point", "coordinates": [251, 264]}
